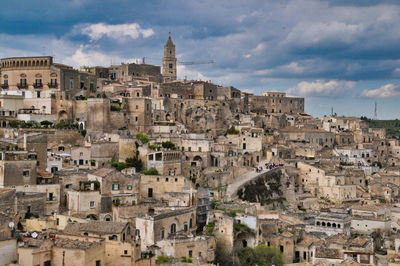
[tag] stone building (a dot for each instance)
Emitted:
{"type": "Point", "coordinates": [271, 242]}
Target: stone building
{"type": "Point", "coordinates": [120, 247]}
{"type": "Point", "coordinates": [43, 77]}
{"type": "Point", "coordinates": [153, 228]}
{"type": "Point", "coordinates": [165, 162]}
{"type": "Point", "coordinates": [276, 102]}
{"type": "Point", "coordinates": [61, 252]}
{"type": "Point", "coordinates": [17, 168]}
{"type": "Point", "coordinates": [331, 224]}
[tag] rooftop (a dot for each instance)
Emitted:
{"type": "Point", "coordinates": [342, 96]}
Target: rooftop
{"type": "Point", "coordinates": [96, 227]}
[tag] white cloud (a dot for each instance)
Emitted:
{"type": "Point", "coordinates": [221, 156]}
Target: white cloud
{"type": "Point", "coordinates": [321, 88]}
{"type": "Point", "coordinates": [190, 74]}
{"type": "Point", "coordinates": [89, 57]}
{"type": "Point", "coordinates": [385, 91]}
{"type": "Point", "coordinates": [133, 31]}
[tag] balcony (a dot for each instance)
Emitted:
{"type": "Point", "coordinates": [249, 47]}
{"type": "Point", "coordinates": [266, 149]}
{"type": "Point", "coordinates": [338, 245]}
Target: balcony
{"type": "Point", "coordinates": [37, 85]}
{"type": "Point", "coordinates": [52, 85]}
{"type": "Point", "coordinates": [22, 86]}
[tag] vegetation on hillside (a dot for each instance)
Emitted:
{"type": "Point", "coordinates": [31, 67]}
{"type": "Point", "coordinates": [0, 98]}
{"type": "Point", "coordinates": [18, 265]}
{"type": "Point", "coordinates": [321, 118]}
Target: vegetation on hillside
{"type": "Point", "coordinates": [392, 126]}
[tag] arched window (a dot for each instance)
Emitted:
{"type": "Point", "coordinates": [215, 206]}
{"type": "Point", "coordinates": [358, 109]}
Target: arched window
{"type": "Point", "coordinates": [173, 228]}
{"type": "Point", "coordinates": [323, 224]}
{"type": "Point", "coordinates": [191, 223]}
{"type": "Point", "coordinates": [334, 225]}
{"type": "Point", "coordinates": [328, 224]}
{"type": "Point", "coordinates": [338, 226]}
{"type": "Point", "coordinates": [318, 223]}
{"type": "Point", "coordinates": [185, 227]}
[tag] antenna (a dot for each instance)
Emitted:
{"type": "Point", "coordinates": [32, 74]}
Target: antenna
{"type": "Point", "coordinates": [376, 111]}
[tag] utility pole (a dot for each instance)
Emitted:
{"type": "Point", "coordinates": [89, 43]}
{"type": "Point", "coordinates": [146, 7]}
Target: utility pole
{"type": "Point", "coordinates": [376, 111]}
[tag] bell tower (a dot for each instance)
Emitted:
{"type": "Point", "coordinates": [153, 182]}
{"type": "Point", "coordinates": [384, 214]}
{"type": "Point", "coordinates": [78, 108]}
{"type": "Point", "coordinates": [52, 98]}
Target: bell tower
{"type": "Point", "coordinates": [169, 60]}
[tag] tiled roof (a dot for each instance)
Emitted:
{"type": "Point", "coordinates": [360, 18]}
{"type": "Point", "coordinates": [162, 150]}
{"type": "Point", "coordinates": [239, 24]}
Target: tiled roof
{"type": "Point", "coordinates": [96, 227]}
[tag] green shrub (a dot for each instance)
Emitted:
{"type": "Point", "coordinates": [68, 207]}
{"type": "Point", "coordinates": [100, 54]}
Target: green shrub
{"type": "Point", "coordinates": [162, 259]}
{"type": "Point", "coordinates": [115, 108]}
{"type": "Point", "coordinates": [232, 131]}
{"type": "Point", "coordinates": [143, 138]}
{"type": "Point", "coordinates": [168, 145]}
{"type": "Point", "coordinates": [151, 171]}
{"type": "Point", "coordinates": [187, 260]}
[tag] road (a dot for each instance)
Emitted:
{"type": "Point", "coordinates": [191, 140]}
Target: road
{"type": "Point", "coordinates": [238, 182]}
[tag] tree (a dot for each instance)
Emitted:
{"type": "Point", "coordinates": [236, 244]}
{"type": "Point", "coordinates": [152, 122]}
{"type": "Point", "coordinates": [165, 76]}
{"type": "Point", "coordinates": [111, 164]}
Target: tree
{"type": "Point", "coordinates": [134, 162]}
{"type": "Point", "coordinates": [261, 255]}
{"type": "Point", "coordinates": [168, 145]}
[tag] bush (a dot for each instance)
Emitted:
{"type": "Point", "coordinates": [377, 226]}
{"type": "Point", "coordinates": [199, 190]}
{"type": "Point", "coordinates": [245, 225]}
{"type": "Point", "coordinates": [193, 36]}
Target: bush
{"type": "Point", "coordinates": [168, 145]}
{"type": "Point", "coordinates": [151, 171]}
{"type": "Point", "coordinates": [162, 259]}
{"type": "Point", "coordinates": [115, 108]}
{"type": "Point", "coordinates": [154, 147]}
{"type": "Point", "coordinates": [242, 228]}
{"type": "Point", "coordinates": [134, 162]}
{"type": "Point", "coordinates": [209, 228]}
{"type": "Point", "coordinates": [232, 131]}
{"type": "Point", "coordinates": [187, 260]}
{"type": "Point", "coordinates": [261, 255]}
{"type": "Point", "coordinates": [119, 165]}
{"type": "Point", "coordinates": [46, 123]}
{"type": "Point", "coordinates": [143, 138]}
{"type": "Point", "coordinates": [379, 164]}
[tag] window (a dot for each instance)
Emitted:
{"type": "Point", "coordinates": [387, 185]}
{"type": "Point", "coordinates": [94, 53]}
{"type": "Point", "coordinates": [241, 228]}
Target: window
{"type": "Point", "coordinates": [170, 65]}
{"type": "Point", "coordinates": [25, 173]}
{"type": "Point", "coordinates": [125, 252]}
{"type": "Point", "coordinates": [137, 107]}
{"type": "Point", "coordinates": [53, 82]}
{"type": "Point", "coordinates": [113, 237]}
{"type": "Point", "coordinates": [71, 84]}
{"type": "Point", "coordinates": [173, 228]}
{"type": "Point", "coordinates": [190, 148]}
{"type": "Point", "coordinates": [58, 221]}
{"type": "Point", "coordinates": [92, 204]}
{"type": "Point", "coordinates": [191, 223]}
{"type": "Point", "coordinates": [150, 193]}
{"type": "Point", "coordinates": [199, 149]}
{"type": "Point", "coordinates": [129, 187]}
{"type": "Point", "coordinates": [81, 154]}
{"type": "Point", "coordinates": [185, 227]}
{"type": "Point", "coordinates": [115, 187]}
{"type": "Point", "coordinates": [190, 253]}
{"type": "Point", "coordinates": [162, 234]}
{"type": "Point", "coordinates": [166, 179]}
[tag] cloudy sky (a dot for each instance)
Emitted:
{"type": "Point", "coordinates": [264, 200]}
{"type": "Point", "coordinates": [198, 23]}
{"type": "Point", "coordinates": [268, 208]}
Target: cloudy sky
{"type": "Point", "coordinates": [343, 54]}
